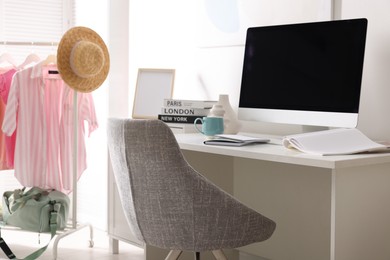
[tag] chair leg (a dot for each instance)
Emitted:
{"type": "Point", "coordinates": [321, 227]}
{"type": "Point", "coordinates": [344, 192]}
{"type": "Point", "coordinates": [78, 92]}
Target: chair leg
{"type": "Point", "coordinates": [173, 255]}
{"type": "Point", "coordinates": [219, 255]}
{"type": "Point", "coordinates": [197, 255]}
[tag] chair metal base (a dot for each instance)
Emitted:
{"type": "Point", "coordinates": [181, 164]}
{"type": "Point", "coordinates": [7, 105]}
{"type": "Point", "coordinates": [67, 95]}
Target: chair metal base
{"type": "Point", "coordinates": [219, 255]}
{"type": "Point", "coordinates": [175, 254]}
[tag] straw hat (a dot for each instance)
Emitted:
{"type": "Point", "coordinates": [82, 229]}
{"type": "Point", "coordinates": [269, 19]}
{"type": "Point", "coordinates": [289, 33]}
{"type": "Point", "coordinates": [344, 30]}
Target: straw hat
{"type": "Point", "coordinates": [83, 59]}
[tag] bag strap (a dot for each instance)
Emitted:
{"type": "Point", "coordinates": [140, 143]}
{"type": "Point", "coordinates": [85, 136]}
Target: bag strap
{"type": "Point", "coordinates": [53, 230]}
{"type": "Point", "coordinates": [7, 251]}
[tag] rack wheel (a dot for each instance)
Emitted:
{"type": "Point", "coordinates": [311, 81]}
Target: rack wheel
{"type": "Point", "coordinates": [91, 243]}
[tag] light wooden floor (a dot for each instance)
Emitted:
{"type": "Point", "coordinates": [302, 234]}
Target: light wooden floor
{"type": "Point", "coordinates": [72, 247]}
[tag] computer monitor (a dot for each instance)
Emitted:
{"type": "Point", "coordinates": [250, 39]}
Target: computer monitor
{"type": "Point", "coordinates": [306, 74]}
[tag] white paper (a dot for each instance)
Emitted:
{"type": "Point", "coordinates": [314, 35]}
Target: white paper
{"type": "Point", "coordinates": [333, 142]}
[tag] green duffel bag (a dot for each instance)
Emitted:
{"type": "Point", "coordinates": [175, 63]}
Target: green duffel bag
{"type": "Point", "coordinates": [36, 210]}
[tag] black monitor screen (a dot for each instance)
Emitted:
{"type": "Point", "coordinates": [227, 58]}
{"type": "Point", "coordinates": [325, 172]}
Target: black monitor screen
{"type": "Point", "coordinates": [310, 66]}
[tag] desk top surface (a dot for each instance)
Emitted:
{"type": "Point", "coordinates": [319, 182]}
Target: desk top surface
{"type": "Point", "coordinates": [278, 153]}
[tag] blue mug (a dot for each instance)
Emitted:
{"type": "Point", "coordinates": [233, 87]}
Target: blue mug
{"type": "Point", "coordinates": [210, 125]}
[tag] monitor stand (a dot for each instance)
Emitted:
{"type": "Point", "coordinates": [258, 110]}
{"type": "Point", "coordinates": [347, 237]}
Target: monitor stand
{"type": "Point", "coordinates": [313, 128]}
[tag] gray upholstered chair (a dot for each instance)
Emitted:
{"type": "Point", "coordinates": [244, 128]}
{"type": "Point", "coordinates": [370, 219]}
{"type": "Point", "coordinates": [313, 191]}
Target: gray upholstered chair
{"type": "Point", "coordinates": [170, 205]}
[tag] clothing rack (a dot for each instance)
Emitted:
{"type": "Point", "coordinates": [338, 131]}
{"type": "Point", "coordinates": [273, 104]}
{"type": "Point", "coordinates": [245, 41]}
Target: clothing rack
{"type": "Point", "coordinates": [75, 226]}
{"type": "Point", "coordinates": [13, 43]}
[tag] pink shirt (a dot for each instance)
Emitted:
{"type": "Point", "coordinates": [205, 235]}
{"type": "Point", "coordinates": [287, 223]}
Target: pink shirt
{"type": "Point", "coordinates": [9, 141]}
{"type": "Point", "coordinates": [3, 152]}
{"type": "Point", "coordinates": [40, 106]}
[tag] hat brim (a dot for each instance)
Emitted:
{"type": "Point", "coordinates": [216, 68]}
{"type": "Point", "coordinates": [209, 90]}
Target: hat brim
{"type": "Point", "coordinates": [70, 38]}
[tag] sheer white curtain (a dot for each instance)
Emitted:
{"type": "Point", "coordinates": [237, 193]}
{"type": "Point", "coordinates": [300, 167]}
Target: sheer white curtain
{"type": "Point", "coordinates": [33, 21]}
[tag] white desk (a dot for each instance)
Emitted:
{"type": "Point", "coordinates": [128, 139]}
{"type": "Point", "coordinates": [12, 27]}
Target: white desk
{"type": "Point", "coordinates": [326, 208]}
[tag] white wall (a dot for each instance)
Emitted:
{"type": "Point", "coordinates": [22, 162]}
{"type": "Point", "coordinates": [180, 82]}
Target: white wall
{"type": "Point", "coordinates": [119, 93]}
{"type": "Point", "coordinates": [162, 36]}
{"type": "Point", "coordinates": [165, 34]}
{"type": "Point", "coordinates": [375, 105]}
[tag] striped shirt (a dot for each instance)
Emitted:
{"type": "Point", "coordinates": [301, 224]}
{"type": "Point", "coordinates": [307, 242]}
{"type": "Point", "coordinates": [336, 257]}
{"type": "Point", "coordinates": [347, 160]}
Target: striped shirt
{"type": "Point", "coordinates": [40, 107]}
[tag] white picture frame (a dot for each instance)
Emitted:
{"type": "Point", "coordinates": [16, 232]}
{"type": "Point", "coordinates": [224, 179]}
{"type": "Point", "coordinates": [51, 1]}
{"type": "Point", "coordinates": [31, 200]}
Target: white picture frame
{"type": "Point", "coordinates": [152, 87]}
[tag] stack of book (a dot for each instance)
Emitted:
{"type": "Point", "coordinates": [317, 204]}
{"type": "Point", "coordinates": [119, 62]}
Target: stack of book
{"type": "Point", "coordinates": [184, 111]}
{"type": "Point", "coordinates": [181, 114]}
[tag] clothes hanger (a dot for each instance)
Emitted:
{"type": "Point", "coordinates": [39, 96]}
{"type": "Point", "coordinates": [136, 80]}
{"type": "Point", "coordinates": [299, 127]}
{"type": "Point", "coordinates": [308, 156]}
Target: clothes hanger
{"type": "Point", "coordinates": [50, 59]}
{"type": "Point", "coordinates": [31, 58]}
{"type": "Point", "coordinates": [6, 57]}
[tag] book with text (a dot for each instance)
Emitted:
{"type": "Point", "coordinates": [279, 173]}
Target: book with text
{"type": "Point", "coordinates": [178, 119]}
{"type": "Point", "coordinates": [184, 111]}
{"type": "Point", "coordinates": [333, 142]}
{"type": "Point", "coordinates": [188, 103]}
{"type": "Point", "coordinates": [234, 140]}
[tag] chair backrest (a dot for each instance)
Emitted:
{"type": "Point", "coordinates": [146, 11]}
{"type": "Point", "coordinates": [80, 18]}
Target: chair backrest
{"type": "Point", "coordinates": [153, 180]}
{"type": "Point", "coordinates": [166, 202]}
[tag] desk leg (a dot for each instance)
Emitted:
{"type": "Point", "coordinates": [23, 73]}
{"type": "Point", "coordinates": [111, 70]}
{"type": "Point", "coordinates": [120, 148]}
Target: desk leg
{"type": "Point", "coordinates": [113, 245]}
